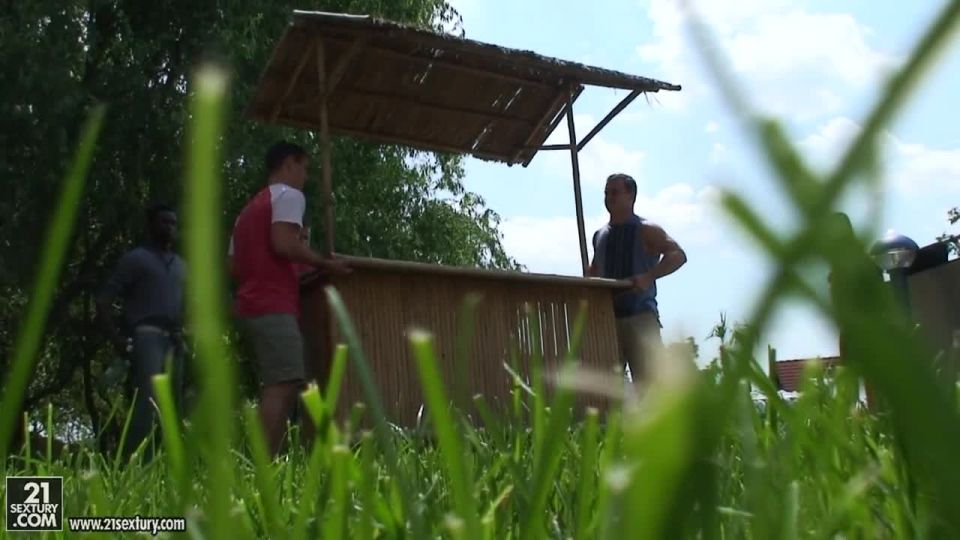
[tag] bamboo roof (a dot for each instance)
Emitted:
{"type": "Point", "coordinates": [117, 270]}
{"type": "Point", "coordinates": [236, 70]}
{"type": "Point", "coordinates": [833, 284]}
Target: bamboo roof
{"type": "Point", "coordinates": [398, 84]}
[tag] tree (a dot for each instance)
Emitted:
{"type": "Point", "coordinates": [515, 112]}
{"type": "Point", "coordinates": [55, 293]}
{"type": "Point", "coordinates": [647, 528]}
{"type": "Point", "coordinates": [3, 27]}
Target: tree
{"type": "Point", "coordinates": [61, 56]}
{"type": "Point", "coordinates": [953, 216]}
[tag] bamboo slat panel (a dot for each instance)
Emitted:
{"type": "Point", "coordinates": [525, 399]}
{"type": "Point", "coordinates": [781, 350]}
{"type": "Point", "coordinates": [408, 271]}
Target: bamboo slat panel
{"type": "Point", "coordinates": [387, 301]}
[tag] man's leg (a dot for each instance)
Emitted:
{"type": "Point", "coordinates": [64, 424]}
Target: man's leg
{"type": "Point", "coordinates": [276, 403]}
{"type": "Point", "coordinates": [149, 353]}
{"type": "Point", "coordinates": [624, 347]}
{"type": "Point", "coordinates": [640, 339]}
{"type": "Point", "coordinates": [651, 339]}
{"type": "Point", "coordinates": [278, 346]}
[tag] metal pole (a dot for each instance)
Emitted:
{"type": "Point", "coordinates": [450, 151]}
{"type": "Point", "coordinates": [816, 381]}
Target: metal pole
{"type": "Point", "coordinates": [575, 163]}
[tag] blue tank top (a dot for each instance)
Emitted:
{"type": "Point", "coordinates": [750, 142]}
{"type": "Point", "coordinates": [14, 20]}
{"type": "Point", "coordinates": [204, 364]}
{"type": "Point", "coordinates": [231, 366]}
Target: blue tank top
{"type": "Point", "coordinates": [619, 254]}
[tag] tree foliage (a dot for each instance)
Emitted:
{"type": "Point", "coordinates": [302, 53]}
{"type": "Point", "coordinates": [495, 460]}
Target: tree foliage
{"type": "Point", "coordinates": [59, 57]}
{"type": "Point", "coordinates": [953, 217]}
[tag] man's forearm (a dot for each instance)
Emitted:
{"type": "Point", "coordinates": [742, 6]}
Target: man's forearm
{"type": "Point", "coordinates": [305, 255]}
{"type": "Point", "coordinates": [670, 263]}
{"type": "Point", "coordinates": [299, 252]}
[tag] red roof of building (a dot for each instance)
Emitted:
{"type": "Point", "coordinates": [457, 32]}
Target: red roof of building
{"type": "Point", "coordinates": [789, 373]}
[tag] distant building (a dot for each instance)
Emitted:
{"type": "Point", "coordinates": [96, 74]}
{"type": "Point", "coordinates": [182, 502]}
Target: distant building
{"type": "Point", "coordinates": [788, 374]}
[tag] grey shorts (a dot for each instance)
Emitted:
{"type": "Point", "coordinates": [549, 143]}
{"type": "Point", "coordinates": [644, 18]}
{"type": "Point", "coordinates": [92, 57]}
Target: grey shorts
{"type": "Point", "coordinates": [278, 347]}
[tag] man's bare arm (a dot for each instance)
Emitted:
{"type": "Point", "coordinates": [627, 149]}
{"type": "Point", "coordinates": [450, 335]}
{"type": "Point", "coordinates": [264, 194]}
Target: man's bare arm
{"type": "Point", "coordinates": [286, 242]}
{"type": "Point", "coordinates": [672, 257]}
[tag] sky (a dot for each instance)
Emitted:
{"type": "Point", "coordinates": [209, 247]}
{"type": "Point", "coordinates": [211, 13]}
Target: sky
{"type": "Point", "coordinates": [817, 66]}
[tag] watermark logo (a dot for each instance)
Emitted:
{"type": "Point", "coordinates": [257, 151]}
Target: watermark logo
{"type": "Point", "coordinates": [34, 503]}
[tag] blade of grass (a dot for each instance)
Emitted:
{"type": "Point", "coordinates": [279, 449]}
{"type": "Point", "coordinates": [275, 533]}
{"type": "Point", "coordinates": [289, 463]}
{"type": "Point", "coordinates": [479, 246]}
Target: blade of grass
{"type": "Point", "coordinates": [449, 438]}
{"type": "Point", "coordinates": [121, 445]}
{"type": "Point", "coordinates": [309, 492]}
{"type": "Point", "coordinates": [172, 439]}
{"type": "Point", "coordinates": [611, 470]}
{"type": "Point", "coordinates": [558, 424]}
{"type": "Point", "coordinates": [659, 439]}
{"type": "Point", "coordinates": [27, 345]}
{"type": "Point", "coordinates": [368, 486]}
{"type": "Point", "coordinates": [336, 516]}
{"type": "Point", "coordinates": [491, 422]}
{"type": "Point", "coordinates": [465, 333]}
{"type": "Point", "coordinates": [205, 291]}
{"type": "Point", "coordinates": [539, 397]}
{"type": "Point", "coordinates": [326, 431]}
{"type": "Point", "coordinates": [332, 395]}
{"type": "Point", "coordinates": [51, 433]}
{"type": "Point", "coordinates": [586, 491]}
{"type": "Point", "coordinates": [372, 395]}
{"type": "Point", "coordinates": [262, 473]}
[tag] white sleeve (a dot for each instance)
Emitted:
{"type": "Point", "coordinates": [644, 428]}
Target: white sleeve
{"type": "Point", "coordinates": [289, 206]}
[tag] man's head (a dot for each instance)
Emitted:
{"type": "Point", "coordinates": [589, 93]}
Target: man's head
{"type": "Point", "coordinates": [620, 193]}
{"type": "Point", "coordinates": [162, 224]}
{"type": "Point", "coordinates": [287, 162]}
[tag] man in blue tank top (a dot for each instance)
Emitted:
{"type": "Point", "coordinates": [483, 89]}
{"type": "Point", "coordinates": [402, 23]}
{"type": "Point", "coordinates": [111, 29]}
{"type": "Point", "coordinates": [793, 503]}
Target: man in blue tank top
{"type": "Point", "coordinates": [632, 248]}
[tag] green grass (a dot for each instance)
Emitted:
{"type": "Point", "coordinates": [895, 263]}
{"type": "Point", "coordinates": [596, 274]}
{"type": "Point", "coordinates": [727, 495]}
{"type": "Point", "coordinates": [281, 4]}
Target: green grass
{"type": "Point", "coordinates": [695, 457]}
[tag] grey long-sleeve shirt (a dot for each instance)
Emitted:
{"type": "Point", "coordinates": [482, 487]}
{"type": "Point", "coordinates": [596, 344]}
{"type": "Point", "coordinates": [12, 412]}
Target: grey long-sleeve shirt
{"type": "Point", "coordinates": [150, 284]}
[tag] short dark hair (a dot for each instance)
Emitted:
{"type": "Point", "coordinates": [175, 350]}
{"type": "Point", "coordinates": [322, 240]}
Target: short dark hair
{"type": "Point", "coordinates": [628, 180]}
{"type": "Point", "coordinates": [279, 152]}
{"type": "Point", "coordinates": [158, 208]}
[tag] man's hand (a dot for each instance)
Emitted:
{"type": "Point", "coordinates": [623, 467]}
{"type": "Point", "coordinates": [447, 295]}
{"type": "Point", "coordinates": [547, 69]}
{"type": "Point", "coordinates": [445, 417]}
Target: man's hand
{"type": "Point", "coordinates": [642, 282]}
{"type": "Point", "coordinates": [334, 266]}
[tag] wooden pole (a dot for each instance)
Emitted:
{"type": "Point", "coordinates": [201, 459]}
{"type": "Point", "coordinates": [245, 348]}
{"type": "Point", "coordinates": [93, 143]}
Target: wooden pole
{"type": "Point", "coordinates": [578, 89]}
{"type": "Point", "coordinates": [325, 152]}
{"type": "Point", "coordinates": [578, 197]}
{"type": "Point", "coordinates": [290, 84]}
{"type": "Point", "coordinates": [606, 120]}
{"type": "Point", "coordinates": [327, 328]}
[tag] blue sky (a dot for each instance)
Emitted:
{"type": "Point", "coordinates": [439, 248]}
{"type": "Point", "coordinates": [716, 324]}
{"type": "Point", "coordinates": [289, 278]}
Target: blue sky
{"type": "Point", "coordinates": [816, 65]}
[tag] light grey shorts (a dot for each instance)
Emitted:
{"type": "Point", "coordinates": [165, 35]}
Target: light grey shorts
{"type": "Point", "coordinates": [278, 346]}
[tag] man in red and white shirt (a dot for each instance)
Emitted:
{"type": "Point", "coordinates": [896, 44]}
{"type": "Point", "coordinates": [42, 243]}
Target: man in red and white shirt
{"type": "Point", "coordinates": [266, 250]}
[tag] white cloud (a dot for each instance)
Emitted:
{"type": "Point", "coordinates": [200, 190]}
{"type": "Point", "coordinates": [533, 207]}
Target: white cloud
{"type": "Point", "coordinates": [718, 153]}
{"type": "Point", "coordinates": [551, 245]}
{"type": "Point", "coordinates": [711, 127]}
{"type": "Point", "coordinates": [827, 144]}
{"type": "Point", "coordinates": [790, 60]}
{"type": "Point", "coordinates": [910, 168]}
{"type": "Point", "coordinates": [922, 168]}
{"type": "Point", "coordinates": [547, 245]}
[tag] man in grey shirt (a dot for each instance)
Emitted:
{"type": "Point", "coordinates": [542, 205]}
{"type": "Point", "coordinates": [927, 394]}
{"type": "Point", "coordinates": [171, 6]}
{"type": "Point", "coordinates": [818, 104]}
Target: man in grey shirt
{"type": "Point", "coordinates": [149, 280]}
